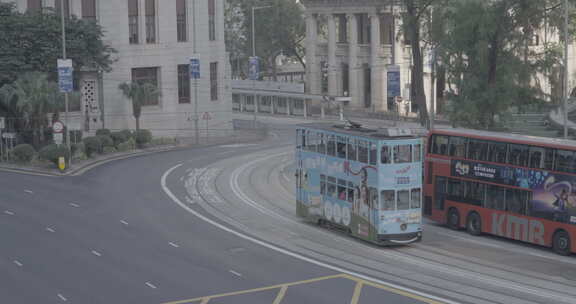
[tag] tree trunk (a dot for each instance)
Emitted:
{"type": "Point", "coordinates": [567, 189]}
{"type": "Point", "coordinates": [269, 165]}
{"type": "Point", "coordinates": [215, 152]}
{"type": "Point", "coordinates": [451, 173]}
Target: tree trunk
{"type": "Point", "coordinates": [137, 123]}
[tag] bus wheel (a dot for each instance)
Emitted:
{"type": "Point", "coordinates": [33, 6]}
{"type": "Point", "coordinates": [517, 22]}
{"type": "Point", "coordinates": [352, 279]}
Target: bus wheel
{"type": "Point", "coordinates": [474, 224]}
{"type": "Point", "coordinates": [453, 219]}
{"type": "Point", "coordinates": [561, 243]}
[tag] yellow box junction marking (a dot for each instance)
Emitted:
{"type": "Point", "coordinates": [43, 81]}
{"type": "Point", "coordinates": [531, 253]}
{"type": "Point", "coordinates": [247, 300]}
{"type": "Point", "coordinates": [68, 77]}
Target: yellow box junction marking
{"type": "Point", "coordinates": [284, 287]}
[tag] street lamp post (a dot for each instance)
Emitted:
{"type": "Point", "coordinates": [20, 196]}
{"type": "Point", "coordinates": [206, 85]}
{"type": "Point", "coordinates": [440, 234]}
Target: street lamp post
{"type": "Point", "coordinates": [566, 91]}
{"type": "Point", "coordinates": [254, 9]}
{"type": "Point", "coordinates": [63, 23]}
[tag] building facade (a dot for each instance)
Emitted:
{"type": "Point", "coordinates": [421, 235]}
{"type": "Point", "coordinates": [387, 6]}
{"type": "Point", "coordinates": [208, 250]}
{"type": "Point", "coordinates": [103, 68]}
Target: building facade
{"type": "Point", "coordinates": [155, 40]}
{"type": "Point", "coordinates": [355, 49]}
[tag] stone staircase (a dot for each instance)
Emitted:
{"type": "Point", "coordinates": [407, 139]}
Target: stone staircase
{"type": "Point", "coordinates": [535, 124]}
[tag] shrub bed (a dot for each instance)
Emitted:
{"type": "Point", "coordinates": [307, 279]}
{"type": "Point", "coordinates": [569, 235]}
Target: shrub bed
{"type": "Point", "coordinates": [23, 153]}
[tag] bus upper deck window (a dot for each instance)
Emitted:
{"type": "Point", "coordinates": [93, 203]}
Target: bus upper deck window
{"type": "Point", "coordinates": [457, 146]}
{"type": "Point", "coordinates": [387, 200]}
{"type": "Point", "coordinates": [565, 161]}
{"type": "Point", "coordinates": [385, 155]}
{"type": "Point", "coordinates": [440, 144]}
{"type": "Point", "coordinates": [536, 157]}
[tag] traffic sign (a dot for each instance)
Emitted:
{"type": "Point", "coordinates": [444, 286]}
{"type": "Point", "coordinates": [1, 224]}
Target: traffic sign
{"type": "Point", "coordinates": [254, 68]}
{"type": "Point", "coordinates": [206, 116]}
{"type": "Point", "coordinates": [65, 80]}
{"type": "Point", "coordinates": [57, 127]}
{"type": "Point", "coordinates": [194, 67]}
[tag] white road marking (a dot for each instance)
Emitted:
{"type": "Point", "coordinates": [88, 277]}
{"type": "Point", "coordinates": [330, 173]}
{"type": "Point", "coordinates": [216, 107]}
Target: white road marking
{"type": "Point", "coordinates": [235, 273]}
{"type": "Point", "coordinates": [62, 298]}
{"type": "Point", "coordinates": [287, 252]}
{"type": "Point", "coordinates": [50, 229]}
{"type": "Point", "coordinates": [151, 285]}
{"type": "Point", "coordinates": [29, 191]}
{"type": "Point", "coordinates": [174, 245]}
{"type": "Point", "coordinates": [9, 212]}
{"type": "Point", "coordinates": [18, 263]}
{"type": "Point", "coordinates": [470, 240]}
{"type": "Point", "coordinates": [74, 205]}
{"type": "Point", "coordinates": [96, 253]}
{"type": "Point", "coordinates": [123, 222]}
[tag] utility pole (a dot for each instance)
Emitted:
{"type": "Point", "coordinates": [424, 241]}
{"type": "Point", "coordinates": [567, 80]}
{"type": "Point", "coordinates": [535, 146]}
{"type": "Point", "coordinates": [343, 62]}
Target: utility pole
{"type": "Point", "coordinates": [254, 8]}
{"type": "Point", "coordinates": [566, 90]}
{"type": "Point", "coordinates": [194, 42]}
{"type": "Point", "coordinates": [63, 23]}
{"type": "Point", "coordinates": [433, 89]}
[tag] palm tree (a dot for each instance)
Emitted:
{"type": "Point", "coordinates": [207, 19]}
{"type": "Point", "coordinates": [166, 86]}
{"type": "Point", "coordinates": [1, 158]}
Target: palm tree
{"type": "Point", "coordinates": [138, 93]}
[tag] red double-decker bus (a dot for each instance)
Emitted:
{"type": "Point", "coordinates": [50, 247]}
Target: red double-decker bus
{"type": "Point", "coordinates": [513, 186]}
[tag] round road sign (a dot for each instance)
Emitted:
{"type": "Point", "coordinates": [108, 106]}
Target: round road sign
{"type": "Point", "coordinates": [58, 127]}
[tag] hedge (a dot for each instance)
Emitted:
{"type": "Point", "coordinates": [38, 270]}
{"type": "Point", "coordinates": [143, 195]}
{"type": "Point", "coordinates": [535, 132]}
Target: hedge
{"type": "Point", "coordinates": [23, 153]}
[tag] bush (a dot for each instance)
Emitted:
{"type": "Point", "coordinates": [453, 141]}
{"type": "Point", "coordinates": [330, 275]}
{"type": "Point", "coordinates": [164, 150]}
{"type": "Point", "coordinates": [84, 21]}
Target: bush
{"type": "Point", "coordinates": [128, 134]}
{"type": "Point", "coordinates": [101, 132]}
{"type": "Point", "coordinates": [92, 145]}
{"type": "Point", "coordinates": [163, 141]}
{"type": "Point", "coordinates": [75, 136]}
{"type": "Point", "coordinates": [143, 137]}
{"type": "Point", "coordinates": [119, 137]}
{"type": "Point", "coordinates": [23, 153]}
{"type": "Point", "coordinates": [77, 148]}
{"type": "Point", "coordinates": [109, 149]}
{"type": "Point", "coordinates": [127, 145]}
{"type": "Point", "coordinates": [52, 152]}
{"type": "Point", "coordinates": [106, 141]}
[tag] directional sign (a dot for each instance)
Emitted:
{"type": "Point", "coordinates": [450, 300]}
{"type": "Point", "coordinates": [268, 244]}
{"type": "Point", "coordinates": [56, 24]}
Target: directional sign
{"type": "Point", "coordinates": [58, 127]}
{"type": "Point", "coordinates": [254, 65]}
{"type": "Point", "coordinates": [206, 116]}
{"type": "Point", "coordinates": [65, 80]}
{"type": "Point", "coordinates": [194, 67]}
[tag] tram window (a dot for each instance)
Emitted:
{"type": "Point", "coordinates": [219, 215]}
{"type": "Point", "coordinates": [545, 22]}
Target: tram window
{"type": "Point", "coordinates": [331, 189]}
{"type": "Point", "coordinates": [322, 184]}
{"type": "Point", "coordinates": [497, 152]}
{"type": "Point", "coordinates": [457, 146]}
{"type": "Point", "coordinates": [373, 154]}
{"type": "Point", "coordinates": [352, 149]}
{"type": "Point", "coordinates": [321, 144]}
{"type": "Point", "coordinates": [403, 154]}
{"type": "Point", "coordinates": [495, 197]}
{"type": "Point", "coordinates": [342, 190]}
{"type": "Point", "coordinates": [417, 153]}
{"type": "Point", "coordinates": [350, 192]}
{"type": "Point", "coordinates": [385, 155]}
{"type": "Point", "coordinates": [313, 145]}
{"type": "Point", "coordinates": [536, 157]}
{"type": "Point", "coordinates": [518, 155]}
{"type": "Point", "coordinates": [565, 161]}
{"type": "Point", "coordinates": [308, 145]}
{"type": "Point", "coordinates": [516, 201]}
{"type": "Point", "coordinates": [388, 200]}
{"type": "Point", "coordinates": [363, 151]}
{"type": "Point", "coordinates": [549, 158]}
{"type": "Point", "coordinates": [415, 198]}
{"type": "Point", "coordinates": [478, 149]}
{"type": "Point", "coordinates": [341, 147]}
{"type": "Point", "coordinates": [403, 199]}
{"type": "Point", "coordinates": [439, 144]}
{"type": "Point", "coordinates": [331, 148]}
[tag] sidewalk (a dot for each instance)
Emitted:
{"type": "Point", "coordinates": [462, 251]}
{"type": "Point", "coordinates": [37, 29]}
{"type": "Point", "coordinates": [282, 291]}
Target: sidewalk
{"type": "Point", "coordinates": [81, 166]}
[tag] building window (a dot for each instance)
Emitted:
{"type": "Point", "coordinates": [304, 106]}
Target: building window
{"type": "Point", "coordinates": [213, 81]}
{"type": "Point", "coordinates": [89, 9]}
{"type": "Point", "coordinates": [58, 7]}
{"type": "Point", "coordinates": [387, 29]}
{"type": "Point", "coordinates": [133, 21]}
{"type": "Point", "coordinates": [342, 28]}
{"type": "Point", "coordinates": [34, 6]}
{"type": "Point", "coordinates": [212, 19]}
{"type": "Point", "coordinates": [183, 83]}
{"type": "Point", "coordinates": [181, 20]}
{"type": "Point", "coordinates": [363, 28]}
{"type": "Point", "coordinates": [150, 6]}
{"type": "Point", "coordinates": [147, 75]}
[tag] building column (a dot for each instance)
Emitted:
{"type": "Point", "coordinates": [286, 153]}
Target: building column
{"type": "Point", "coordinates": [353, 68]}
{"type": "Point", "coordinates": [312, 68]}
{"type": "Point", "coordinates": [332, 68]}
{"type": "Point", "coordinates": [377, 66]}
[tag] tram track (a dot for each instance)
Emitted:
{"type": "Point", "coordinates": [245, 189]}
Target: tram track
{"type": "Point", "coordinates": [500, 281]}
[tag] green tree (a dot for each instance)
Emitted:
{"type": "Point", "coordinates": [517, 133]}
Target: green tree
{"type": "Point", "coordinates": [32, 42]}
{"type": "Point", "coordinates": [138, 93]}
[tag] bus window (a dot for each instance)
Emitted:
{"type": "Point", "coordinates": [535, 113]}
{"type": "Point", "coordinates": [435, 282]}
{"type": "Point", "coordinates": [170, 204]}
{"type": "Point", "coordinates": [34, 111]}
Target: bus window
{"type": "Point", "coordinates": [439, 193]}
{"type": "Point", "coordinates": [331, 187]}
{"type": "Point", "coordinates": [475, 193]}
{"type": "Point", "coordinates": [403, 199]}
{"type": "Point", "coordinates": [363, 151]}
{"type": "Point", "coordinates": [497, 152]}
{"type": "Point", "coordinates": [417, 153]}
{"type": "Point", "coordinates": [439, 144]}
{"type": "Point", "coordinates": [495, 198]}
{"type": "Point", "coordinates": [341, 147]}
{"type": "Point", "coordinates": [415, 198]}
{"type": "Point", "coordinates": [564, 161]}
{"type": "Point", "coordinates": [549, 158]}
{"type": "Point", "coordinates": [322, 184]}
{"type": "Point", "coordinates": [516, 201]}
{"type": "Point", "coordinates": [352, 149]}
{"type": "Point", "coordinates": [518, 155]}
{"type": "Point", "coordinates": [321, 143]}
{"type": "Point", "coordinates": [373, 154]}
{"type": "Point", "coordinates": [331, 148]}
{"type": "Point", "coordinates": [402, 154]}
{"type": "Point", "coordinates": [457, 146]}
{"type": "Point", "coordinates": [536, 157]}
{"type": "Point", "coordinates": [387, 200]}
{"type": "Point", "coordinates": [478, 150]}
{"type": "Point", "coordinates": [385, 155]}
{"type": "Point", "coordinates": [350, 192]}
{"type": "Point", "coordinates": [456, 189]}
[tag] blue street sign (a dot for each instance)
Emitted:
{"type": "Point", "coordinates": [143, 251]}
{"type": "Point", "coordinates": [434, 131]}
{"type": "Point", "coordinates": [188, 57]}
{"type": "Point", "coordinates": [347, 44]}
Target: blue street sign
{"type": "Point", "coordinates": [254, 72]}
{"type": "Point", "coordinates": [393, 81]}
{"type": "Point", "coordinates": [194, 68]}
{"type": "Point", "coordinates": [65, 79]}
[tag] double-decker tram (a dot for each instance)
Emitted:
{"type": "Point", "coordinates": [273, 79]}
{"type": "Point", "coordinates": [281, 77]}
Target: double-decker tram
{"type": "Point", "coordinates": [366, 182]}
{"type": "Point", "coordinates": [509, 185]}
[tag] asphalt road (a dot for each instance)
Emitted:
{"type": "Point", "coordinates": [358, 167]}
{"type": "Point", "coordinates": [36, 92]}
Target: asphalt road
{"type": "Point", "coordinates": [113, 235]}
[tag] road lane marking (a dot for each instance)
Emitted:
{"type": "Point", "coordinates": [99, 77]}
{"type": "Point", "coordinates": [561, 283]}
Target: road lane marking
{"type": "Point", "coordinates": [74, 205]}
{"type": "Point", "coordinates": [357, 291]}
{"type": "Point", "coordinates": [9, 212]}
{"type": "Point", "coordinates": [50, 229]}
{"type": "Point", "coordinates": [280, 295]}
{"type": "Point", "coordinates": [123, 222]}
{"type": "Point", "coordinates": [174, 245]}
{"type": "Point", "coordinates": [414, 294]}
{"type": "Point", "coordinates": [18, 263]}
{"type": "Point", "coordinates": [62, 298]}
{"type": "Point", "coordinates": [151, 285]}
{"type": "Point", "coordinates": [235, 273]}
{"type": "Point", "coordinates": [96, 253]}
{"type": "Point", "coordinates": [29, 191]}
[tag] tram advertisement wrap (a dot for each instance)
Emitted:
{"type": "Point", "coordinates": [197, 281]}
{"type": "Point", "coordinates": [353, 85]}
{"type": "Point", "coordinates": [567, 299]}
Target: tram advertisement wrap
{"type": "Point", "coordinates": [553, 195]}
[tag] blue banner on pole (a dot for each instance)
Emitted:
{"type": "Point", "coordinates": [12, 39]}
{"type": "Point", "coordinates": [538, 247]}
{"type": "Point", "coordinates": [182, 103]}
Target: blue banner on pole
{"type": "Point", "coordinates": [254, 64]}
{"type": "Point", "coordinates": [394, 81]}
{"type": "Point", "coordinates": [195, 68]}
{"type": "Point", "coordinates": [65, 78]}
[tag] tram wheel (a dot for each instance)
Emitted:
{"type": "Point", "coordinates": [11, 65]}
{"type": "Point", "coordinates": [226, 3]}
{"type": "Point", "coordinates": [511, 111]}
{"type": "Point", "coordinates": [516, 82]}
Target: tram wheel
{"type": "Point", "coordinates": [474, 224]}
{"type": "Point", "coordinates": [561, 243]}
{"type": "Point", "coordinates": [453, 219]}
